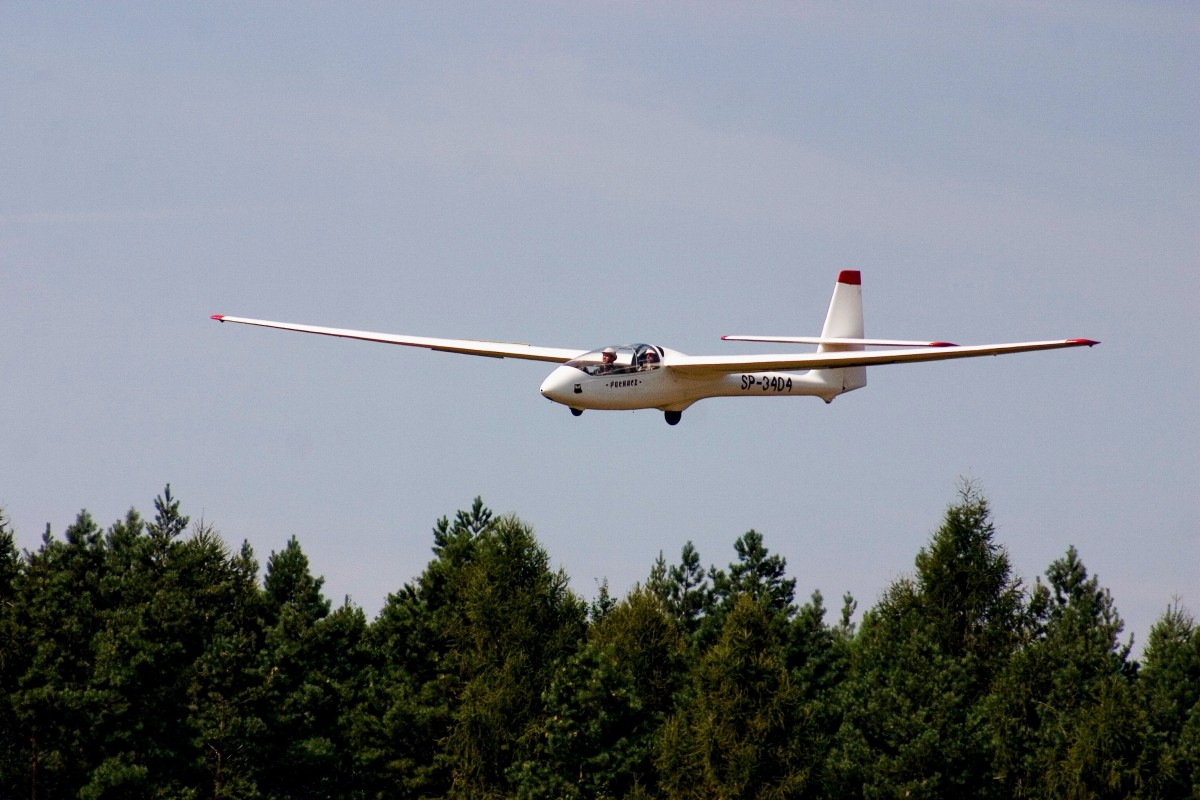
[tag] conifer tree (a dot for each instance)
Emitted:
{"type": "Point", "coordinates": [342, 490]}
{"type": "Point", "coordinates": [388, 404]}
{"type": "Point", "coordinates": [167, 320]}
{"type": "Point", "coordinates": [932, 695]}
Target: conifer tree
{"type": "Point", "coordinates": [13, 650]}
{"type": "Point", "coordinates": [605, 704]}
{"type": "Point", "coordinates": [517, 620]}
{"type": "Point", "coordinates": [464, 656]}
{"type": "Point", "coordinates": [307, 670]}
{"type": "Point", "coordinates": [741, 730]}
{"type": "Point", "coordinates": [757, 574]}
{"type": "Point", "coordinates": [921, 666]}
{"type": "Point", "coordinates": [1170, 687]}
{"type": "Point", "coordinates": [1064, 718]}
{"type": "Point", "coordinates": [54, 704]}
{"type": "Point", "coordinates": [689, 596]}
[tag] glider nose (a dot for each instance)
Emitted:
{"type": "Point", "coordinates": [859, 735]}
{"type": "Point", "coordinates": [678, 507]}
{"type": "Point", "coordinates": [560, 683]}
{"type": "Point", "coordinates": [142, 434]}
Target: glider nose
{"type": "Point", "coordinates": [560, 385]}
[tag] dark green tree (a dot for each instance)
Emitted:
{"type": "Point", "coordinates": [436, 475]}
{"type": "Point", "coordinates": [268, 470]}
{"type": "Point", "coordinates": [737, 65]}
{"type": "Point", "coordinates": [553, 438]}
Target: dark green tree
{"type": "Point", "coordinates": [689, 596]}
{"type": "Point", "coordinates": [167, 597]}
{"type": "Point", "coordinates": [13, 651]}
{"type": "Point", "coordinates": [966, 587]}
{"type": "Point", "coordinates": [308, 665]}
{"type": "Point", "coordinates": [412, 688]}
{"type": "Point", "coordinates": [55, 707]}
{"type": "Point", "coordinates": [1170, 688]}
{"type": "Point", "coordinates": [605, 704]}
{"type": "Point", "coordinates": [227, 708]}
{"type": "Point", "coordinates": [741, 729]}
{"type": "Point", "coordinates": [1064, 717]}
{"type": "Point", "coordinates": [757, 574]}
{"type": "Point", "coordinates": [592, 741]}
{"type": "Point", "coordinates": [818, 658]}
{"type": "Point", "coordinates": [922, 666]}
{"type": "Point", "coordinates": [909, 729]}
{"type": "Point", "coordinates": [518, 620]}
{"type": "Point", "coordinates": [464, 656]}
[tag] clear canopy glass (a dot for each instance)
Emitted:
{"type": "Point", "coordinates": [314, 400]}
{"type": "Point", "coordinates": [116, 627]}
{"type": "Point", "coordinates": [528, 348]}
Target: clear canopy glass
{"type": "Point", "coordinates": [619, 359]}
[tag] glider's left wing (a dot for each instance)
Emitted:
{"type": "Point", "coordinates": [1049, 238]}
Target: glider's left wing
{"type": "Point", "coordinates": [466, 346]}
{"type": "Point", "coordinates": [712, 365]}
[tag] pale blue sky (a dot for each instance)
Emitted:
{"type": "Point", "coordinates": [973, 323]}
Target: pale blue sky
{"type": "Point", "coordinates": [579, 174]}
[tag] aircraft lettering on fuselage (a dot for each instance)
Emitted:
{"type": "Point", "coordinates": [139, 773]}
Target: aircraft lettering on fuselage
{"type": "Point", "coordinates": [674, 381]}
{"type": "Point", "coordinates": [767, 383]}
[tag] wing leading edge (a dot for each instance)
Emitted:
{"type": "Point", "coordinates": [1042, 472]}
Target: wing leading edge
{"type": "Point", "coordinates": [712, 365]}
{"type": "Point", "coordinates": [472, 347]}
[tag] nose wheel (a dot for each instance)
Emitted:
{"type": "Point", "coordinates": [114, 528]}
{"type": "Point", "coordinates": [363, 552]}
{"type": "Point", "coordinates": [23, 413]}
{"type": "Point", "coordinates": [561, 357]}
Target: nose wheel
{"type": "Point", "coordinates": [577, 411]}
{"type": "Point", "coordinates": [673, 417]}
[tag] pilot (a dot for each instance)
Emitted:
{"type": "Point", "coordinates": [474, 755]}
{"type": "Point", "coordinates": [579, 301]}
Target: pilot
{"type": "Point", "coordinates": [649, 360]}
{"type": "Point", "coordinates": [608, 360]}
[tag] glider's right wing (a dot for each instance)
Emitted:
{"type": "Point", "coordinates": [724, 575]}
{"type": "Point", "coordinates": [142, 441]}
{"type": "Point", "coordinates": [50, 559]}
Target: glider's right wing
{"type": "Point", "coordinates": [467, 346]}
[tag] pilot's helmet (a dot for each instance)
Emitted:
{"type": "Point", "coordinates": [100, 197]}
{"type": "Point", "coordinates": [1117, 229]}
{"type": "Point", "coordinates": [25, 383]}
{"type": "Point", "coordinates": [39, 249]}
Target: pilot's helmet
{"type": "Point", "coordinates": [608, 355]}
{"type": "Point", "coordinates": [651, 356]}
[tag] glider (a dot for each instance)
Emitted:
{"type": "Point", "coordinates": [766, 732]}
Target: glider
{"type": "Point", "coordinates": [636, 376]}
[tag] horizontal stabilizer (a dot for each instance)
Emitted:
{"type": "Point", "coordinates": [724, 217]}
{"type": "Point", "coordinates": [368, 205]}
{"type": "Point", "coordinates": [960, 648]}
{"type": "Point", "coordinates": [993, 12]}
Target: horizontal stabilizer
{"type": "Point", "coordinates": [835, 340]}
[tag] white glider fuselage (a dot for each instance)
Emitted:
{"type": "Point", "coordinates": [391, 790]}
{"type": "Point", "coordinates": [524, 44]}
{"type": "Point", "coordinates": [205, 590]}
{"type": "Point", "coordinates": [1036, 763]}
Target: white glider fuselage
{"type": "Point", "coordinates": [627, 388]}
{"type": "Point", "coordinates": [635, 376]}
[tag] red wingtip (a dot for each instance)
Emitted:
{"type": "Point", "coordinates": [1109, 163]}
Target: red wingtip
{"type": "Point", "coordinates": [218, 317]}
{"type": "Point", "coordinates": [1088, 342]}
{"type": "Point", "coordinates": [942, 344]}
{"type": "Point", "coordinates": [850, 276]}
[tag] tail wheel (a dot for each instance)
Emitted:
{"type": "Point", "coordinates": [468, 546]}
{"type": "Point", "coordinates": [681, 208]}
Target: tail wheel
{"type": "Point", "coordinates": [673, 417]}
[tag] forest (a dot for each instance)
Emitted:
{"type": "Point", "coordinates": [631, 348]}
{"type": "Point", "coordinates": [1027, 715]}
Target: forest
{"type": "Point", "coordinates": [152, 659]}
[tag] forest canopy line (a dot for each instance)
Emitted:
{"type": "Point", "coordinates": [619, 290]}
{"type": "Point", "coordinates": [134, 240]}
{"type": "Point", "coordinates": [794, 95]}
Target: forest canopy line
{"type": "Point", "coordinates": [148, 659]}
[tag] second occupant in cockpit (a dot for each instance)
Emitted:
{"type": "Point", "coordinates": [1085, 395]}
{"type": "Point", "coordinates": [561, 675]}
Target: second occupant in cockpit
{"type": "Point", "coordinates": [649, 360]}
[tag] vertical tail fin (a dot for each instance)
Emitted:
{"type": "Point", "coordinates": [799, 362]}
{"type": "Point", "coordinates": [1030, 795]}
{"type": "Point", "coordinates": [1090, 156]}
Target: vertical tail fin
{"type": "Point", "coordinates": [844, 321]}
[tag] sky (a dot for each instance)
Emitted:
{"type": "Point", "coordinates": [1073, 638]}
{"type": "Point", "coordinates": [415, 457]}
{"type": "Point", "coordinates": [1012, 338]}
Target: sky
{"type": "Point", "coordinates": [582, 174]}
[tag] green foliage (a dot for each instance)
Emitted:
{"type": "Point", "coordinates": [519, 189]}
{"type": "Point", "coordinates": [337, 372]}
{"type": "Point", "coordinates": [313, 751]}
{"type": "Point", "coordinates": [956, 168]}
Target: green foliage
{"type": "Point", "coordinates": [757, 574]}
{"type": "Point", "coordinates": [464, 656]}
{"type": "Point", "coordinates": [593, 741]}
{"type": "Point", "coordinates": [741, 730]}
{"type": "Point", "coordinates": [922, 664]}
{"type": "Point", "coordinates": [1063, 712]}
{"type": "Point", "coordinates": [1170, 689]}
{"type": "Point", "coordinates": [147, 660]}
{"type": "Point", "coordinates": [688, 595]}
{"type": "Point", "coordinates": [965, 586]}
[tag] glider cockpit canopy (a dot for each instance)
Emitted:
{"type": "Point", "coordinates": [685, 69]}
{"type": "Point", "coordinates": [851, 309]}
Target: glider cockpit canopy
{"type": "Point", "coordinates": [619, 359]}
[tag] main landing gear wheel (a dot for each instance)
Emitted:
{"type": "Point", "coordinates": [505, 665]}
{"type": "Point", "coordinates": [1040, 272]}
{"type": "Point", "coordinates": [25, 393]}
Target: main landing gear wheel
{"type": "Point", "coordinates": [577, 411]}
{"type": "Point", "coordinates": [673, 417]}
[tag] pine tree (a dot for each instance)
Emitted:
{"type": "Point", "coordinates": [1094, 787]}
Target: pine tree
{"type": "Point", "coordinates": [1170, 688]}
{"type": "Point", "coordinates": [1064, 718]}
{"type": "Point", "coordinates": [518, 619]}
{"type": "Point", "coordinates": [741, 728]}
{"type": "Point", "coordinates": [13, 651]}
{"type": "Point", "coordinates": [922, 663]}
{"type": "Point", "coordinates": [464, 656]}
{"type": "Point", "coordinates": [53, 703]}
{"type": "Point", "coordinates": [605, 704]}
{"type": "Point", "coordinates": [689, 596]}
{"type": "Point", "coordinates": [226, 705]}
{"type": "Point", "coordinates": [757, 574]}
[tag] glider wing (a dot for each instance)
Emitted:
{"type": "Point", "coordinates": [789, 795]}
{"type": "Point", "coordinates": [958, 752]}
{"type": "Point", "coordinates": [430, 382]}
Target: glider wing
{"type": "Point", "coordinates": [712, 365]}
{"type": "Point", "coordinates": [466, 346]}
